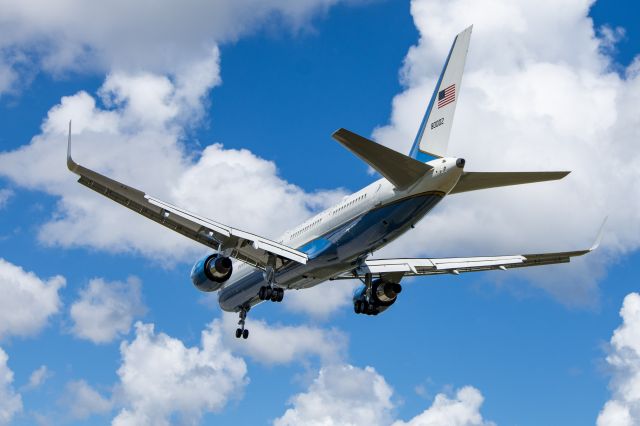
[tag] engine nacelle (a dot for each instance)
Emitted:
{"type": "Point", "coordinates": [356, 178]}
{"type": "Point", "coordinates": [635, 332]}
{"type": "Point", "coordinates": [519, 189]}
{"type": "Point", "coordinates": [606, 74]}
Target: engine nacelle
{"type": "Point", "coordinates": [209, 273]}
{"type": "Point", "coordinates": [383, 294]}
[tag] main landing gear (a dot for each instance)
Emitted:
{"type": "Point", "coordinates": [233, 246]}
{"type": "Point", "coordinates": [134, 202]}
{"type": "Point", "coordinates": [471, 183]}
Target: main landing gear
{"type": "Point", "coordinates": [275, 294]}
{"type": "Point", "coordinates": [241, 331]}
{"type": "Point", "coordinates": [364, 307]}
{"type": "Point", "coordinates": [270, 291]}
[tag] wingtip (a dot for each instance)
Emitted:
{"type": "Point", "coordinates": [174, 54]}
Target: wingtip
{"type": "Point", "coordinates": [339, 134]}
{"type": "Point", "coordinates": [71, 165]}
{"type": "Point", "coordinates": [596, 244]}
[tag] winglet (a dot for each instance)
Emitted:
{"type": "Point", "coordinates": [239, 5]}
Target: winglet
{"type": "Point", "coordinates": [599, 237]}
{"type": "Point", "coordinates": [71, 165]}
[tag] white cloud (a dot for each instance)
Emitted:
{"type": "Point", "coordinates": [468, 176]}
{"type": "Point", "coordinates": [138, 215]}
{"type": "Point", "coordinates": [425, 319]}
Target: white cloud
{"type": "Point", "coordinates": [137, 140]}
{"type": "Point", "coordinates": [160, 377]}
{"type": "Point", "coordinates": [322, 300]}
{"type": "Point", "coordinates": [348, 395]}
{"type": "Point", "coordinates": [462, 410]}
{"type": "Point", "coordinates": [538, 94]}
{"type": "Point", "coordinates": [10, 401]}
{"type": "Point", "coordinates": [27, 301]}
{"type": "Point", "coordinates": [83, 401]}
{"type": "Point", "coordinates": [624, 359]}
{"type": "Point", "coordinates": [341, 395]}
{"type": "Point", "coordinates": [127, 36]}
{"type": "Point", "coordinates": [280, 344]}
{"type": "Point", "coordinates": [106, 310]}
{"type": "Point", "coordinates": [37, 378]}
{"type": "Point", "coordinates": [5, 195]}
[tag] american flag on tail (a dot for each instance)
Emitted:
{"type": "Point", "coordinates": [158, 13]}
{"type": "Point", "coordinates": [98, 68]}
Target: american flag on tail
{"type": "Point", "coordinates": [446, 96]}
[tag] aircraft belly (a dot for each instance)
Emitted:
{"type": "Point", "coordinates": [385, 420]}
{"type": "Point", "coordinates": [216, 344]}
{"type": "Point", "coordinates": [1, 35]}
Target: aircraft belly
{"type": "Point", "coordinates": [335, 252]}
{"type": "Point", "coordinates": [384, 224]}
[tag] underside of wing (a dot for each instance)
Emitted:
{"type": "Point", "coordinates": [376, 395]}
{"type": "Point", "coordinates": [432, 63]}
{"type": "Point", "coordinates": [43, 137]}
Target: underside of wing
{"type": "Point", "coordinates": [244, 246]}
{"type": "Point", "coordinates": [458, 265]}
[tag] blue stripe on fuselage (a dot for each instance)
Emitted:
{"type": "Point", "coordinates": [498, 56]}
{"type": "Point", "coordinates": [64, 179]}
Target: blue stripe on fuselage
{"type": "Point", "coordinates": [341, 246]}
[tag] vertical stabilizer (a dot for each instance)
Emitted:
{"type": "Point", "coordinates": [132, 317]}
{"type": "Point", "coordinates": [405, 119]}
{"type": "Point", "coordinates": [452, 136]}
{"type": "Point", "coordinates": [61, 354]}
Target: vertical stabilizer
{"type": "Point", "coordinates": [433, 136]}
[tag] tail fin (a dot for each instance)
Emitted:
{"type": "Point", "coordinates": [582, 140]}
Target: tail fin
{"type": "Point", "coordinates": [433, 136]}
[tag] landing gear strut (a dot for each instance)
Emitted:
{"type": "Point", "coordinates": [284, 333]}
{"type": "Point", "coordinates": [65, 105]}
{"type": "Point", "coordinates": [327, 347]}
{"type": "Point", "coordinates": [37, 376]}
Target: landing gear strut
{"type": "Point", "coordinates": [241, 331]}
{"type": "Point", "coordinates": [364, 306]}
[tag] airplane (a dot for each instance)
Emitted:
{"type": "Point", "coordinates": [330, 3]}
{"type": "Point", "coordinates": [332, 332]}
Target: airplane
{"type": "Point", "coordinates": [337, 243]}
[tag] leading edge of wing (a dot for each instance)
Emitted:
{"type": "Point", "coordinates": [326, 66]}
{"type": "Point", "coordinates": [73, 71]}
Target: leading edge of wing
{"type": "Point", "coordinates": [193, 226]}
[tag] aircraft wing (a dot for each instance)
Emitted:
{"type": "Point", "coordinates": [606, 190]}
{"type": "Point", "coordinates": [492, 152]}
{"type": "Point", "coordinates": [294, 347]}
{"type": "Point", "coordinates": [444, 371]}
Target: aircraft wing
{"type": "Point", "coordinates": [457, 265]}
{"type": "Point", "coordinates": [244, 246]}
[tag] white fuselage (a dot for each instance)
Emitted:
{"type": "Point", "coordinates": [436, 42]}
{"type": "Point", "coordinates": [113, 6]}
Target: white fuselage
{"type": "Point", "coordinates": [242, 287]}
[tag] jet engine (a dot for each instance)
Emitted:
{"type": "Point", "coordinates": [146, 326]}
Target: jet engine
{"type": "Point", "coordinates": [381, 295]}
{"type": "Point", "coordinates": [209, 273]}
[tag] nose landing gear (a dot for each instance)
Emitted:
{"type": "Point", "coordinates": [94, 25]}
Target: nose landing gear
{"type": "Point", "coordinates": [241, 331]}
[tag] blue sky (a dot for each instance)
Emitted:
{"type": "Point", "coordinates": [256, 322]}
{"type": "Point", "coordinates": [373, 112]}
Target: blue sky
{"type": "Point", "coordinates": [229, 111]}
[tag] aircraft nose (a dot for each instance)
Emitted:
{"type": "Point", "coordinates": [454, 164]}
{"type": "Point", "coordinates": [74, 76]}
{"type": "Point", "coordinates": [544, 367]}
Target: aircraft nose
{"type": "Point", "coordinates": [460, 162]}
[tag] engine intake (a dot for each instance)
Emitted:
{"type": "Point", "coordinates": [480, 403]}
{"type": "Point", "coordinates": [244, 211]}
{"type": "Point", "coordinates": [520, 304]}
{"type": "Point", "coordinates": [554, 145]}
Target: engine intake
{"type": "Point", "coordinates": [386, 292]}
{"type": "Point", "coordinates": [209, 273]}
{"type": "Point", "coordinates": [383, 294]}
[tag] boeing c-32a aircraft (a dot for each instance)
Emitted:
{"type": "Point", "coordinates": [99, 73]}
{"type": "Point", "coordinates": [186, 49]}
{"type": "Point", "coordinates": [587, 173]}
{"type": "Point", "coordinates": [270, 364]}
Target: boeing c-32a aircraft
{"type": "Point", "coordinates": [337, 243]}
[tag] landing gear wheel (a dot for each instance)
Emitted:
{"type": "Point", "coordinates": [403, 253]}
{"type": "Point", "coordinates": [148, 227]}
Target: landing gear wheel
{"type": "Point", "coordinates": [357, 307]}
{"type": "Point", "coordinates": [268, 293]}
{"type": "Point", "coordinates": [280, 295]}
{"type": "Point", "coordinates": [241, 331]}
{"type": "Point", "coordinates": [261, 293]}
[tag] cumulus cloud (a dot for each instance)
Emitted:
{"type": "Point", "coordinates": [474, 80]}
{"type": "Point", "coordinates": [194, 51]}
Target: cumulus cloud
{"type": "Point", "coordinates": [461, 410]}
{"type": "Point", "coordinates": [280, 344]}
{"type": "Point", "coordinates": [341, 394]}
{"type": "Point", "coordinates": [127, 36]}
{"type": "Point", "coordinates": [37, 378]}
{"type": "Point", "coordinates": [160, 377]}
{"type": "Point", "coordinates": [27, 301]}
{"type": "Point", "coordinates": [83, 401]}
{"type": "Point", "coordinates": [538, 93]}
{"type": "Point", "coordinates": [322, 300]}
{"type": "Point", "coordinates": [137, 140]}
{"type": "Point", "coordinates": [348, 395]}
{"type": "Point", "coordinates": [624, 360]}
{"type": "Point", "coordinates": [10, 401]}
{"type": "Point", "coordinates": [105, 310]}
{"type": "Point", "coordinates": [5, 195]}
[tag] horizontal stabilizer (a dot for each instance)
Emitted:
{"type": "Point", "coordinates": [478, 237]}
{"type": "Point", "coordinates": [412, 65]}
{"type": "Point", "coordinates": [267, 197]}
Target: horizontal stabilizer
{"type": "Point", "coordinates": [472, 181]}
{"type": "Point", "coordinates": [401, 170]}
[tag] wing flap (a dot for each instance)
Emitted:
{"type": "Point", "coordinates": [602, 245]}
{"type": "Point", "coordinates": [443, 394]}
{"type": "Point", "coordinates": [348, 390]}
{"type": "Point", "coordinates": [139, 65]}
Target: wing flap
{"type": "Point", "coordinates": [399, 169]}
{"type": "Point", "coordinates": [457, 265]}
{"type": "Point", "coordinates": [258, 242]}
